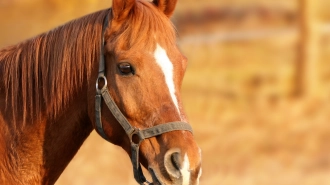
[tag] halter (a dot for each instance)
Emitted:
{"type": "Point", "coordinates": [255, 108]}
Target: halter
{"type": "Point", "coordinates": [129, 129]}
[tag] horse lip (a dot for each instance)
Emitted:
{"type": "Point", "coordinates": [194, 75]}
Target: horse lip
{"type": "Point", "coordinates": [155, 179]}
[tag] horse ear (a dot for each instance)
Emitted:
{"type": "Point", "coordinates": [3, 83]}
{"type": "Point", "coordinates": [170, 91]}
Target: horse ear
{"type": "Point", "coordinates": [121, 8]}
{"type": "Point", "coordinates": [166, 6]}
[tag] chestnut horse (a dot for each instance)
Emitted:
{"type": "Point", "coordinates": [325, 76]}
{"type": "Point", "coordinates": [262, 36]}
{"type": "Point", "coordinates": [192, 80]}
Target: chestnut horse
{"type": "Point", "coordinates": [49, 104]}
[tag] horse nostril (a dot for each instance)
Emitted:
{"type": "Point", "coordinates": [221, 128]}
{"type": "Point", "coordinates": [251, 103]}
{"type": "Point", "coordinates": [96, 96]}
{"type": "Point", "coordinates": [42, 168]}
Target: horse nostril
{"type": "Point", "coordinates": [176, 160]}
{"type": "Point", "coordinates": [173, 162]}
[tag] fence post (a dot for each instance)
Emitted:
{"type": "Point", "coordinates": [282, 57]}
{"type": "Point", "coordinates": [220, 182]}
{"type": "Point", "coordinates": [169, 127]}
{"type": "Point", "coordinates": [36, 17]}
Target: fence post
{"type": "Point", "coordinates": [308, 54]}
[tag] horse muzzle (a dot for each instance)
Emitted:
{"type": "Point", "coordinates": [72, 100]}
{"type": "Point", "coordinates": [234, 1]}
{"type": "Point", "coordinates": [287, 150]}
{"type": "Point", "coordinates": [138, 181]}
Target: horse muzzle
{"type": "Point", "coordinates": [177, 170]}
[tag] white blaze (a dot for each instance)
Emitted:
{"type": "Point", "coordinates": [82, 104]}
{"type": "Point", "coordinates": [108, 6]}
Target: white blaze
{"type": "Point", "coordinates": [167, 67]}
{"type": "Point", "coordinates": [185, 172]}
{"type": "Point", "coordinates": [199, 175]}
{"type": "Point", "coordinates": [200, 170]}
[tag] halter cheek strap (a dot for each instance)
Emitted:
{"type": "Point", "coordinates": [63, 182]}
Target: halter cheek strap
{"type": "Point", "coordinates": [131, 131]}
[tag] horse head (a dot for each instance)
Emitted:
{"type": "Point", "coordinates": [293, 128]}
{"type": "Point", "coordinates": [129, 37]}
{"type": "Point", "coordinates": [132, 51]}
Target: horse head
{"type": "Point", "coordinates": [143, 71]}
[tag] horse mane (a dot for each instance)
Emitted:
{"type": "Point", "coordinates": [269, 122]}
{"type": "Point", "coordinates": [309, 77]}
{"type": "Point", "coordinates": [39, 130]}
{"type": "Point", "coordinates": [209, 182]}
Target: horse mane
{"type": "Point", "coordinates": [42, 73]}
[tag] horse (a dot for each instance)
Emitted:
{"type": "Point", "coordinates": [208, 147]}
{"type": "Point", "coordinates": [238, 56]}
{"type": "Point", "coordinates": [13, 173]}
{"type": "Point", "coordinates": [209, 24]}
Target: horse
{"type": "Point", "coordinates": [118, 71]}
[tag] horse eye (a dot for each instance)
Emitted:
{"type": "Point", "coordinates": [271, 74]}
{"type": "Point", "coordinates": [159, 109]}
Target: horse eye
{"type": "Point", "coordinates": [125, 68]}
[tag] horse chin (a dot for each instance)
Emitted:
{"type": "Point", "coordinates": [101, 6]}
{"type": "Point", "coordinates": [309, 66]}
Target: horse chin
{"type": "Point", "coordinates": [155, 179]}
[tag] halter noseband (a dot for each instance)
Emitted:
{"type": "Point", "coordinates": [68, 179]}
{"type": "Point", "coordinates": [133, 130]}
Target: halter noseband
{"type": "Point", "coordinates": [129, 129]}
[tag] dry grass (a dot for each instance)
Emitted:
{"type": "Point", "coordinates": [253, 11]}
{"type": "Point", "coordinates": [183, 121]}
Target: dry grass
{"type": "Point", "coordinates": [251, 129]}
{"type": "Point", "coordinates": [239, 99]}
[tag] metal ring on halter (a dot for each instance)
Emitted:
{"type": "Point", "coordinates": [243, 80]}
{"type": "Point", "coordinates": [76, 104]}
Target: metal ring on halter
{"type": "Point", "coordinates": [135, 132]}
{"type": "Point", "coordinates": [97, 83]}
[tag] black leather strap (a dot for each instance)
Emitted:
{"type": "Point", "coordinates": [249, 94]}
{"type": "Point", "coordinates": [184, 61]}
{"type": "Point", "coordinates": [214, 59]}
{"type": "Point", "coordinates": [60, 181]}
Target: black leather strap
{"type": "Point", "coordinates": [99, 125]}
{"type": "Point", "coordinates": [163, 128]}
{"type": "Point", "coordinates": [116, 112]}
{"type": "Point", "coordinates": [98, 97]}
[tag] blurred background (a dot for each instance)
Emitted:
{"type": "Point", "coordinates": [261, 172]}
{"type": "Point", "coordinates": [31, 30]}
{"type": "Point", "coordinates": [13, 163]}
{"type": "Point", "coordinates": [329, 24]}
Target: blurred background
{"type": "Point", "coordinates": [257, 88]}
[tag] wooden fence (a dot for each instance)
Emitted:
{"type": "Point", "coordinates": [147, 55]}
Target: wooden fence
{"type": "Point", "coordinates": [307, 30]}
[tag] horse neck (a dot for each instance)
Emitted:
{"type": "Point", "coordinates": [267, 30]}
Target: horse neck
{"type": "Point", "coordinates": [39, 152]}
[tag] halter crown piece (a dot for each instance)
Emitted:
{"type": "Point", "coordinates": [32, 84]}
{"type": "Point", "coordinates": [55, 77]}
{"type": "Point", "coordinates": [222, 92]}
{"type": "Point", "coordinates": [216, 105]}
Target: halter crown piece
{"type": "Point", "coordinates": [129, 129]}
